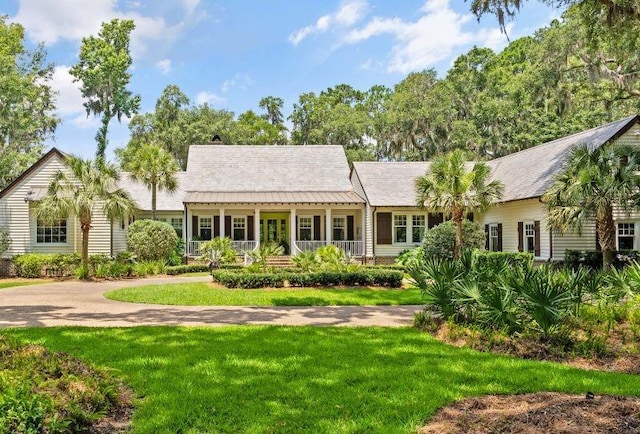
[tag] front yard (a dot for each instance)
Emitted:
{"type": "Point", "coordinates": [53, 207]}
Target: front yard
{"type": "Point", "coordinates": [305, 379]}
{"type": "Point", "coordinates": [208, 294]}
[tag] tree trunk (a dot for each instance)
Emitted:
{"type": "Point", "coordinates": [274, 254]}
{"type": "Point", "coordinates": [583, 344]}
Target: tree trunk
{"type": "Point", "coordinates": [154, 189]}
{"type": "Point", "coordinates": [101, 138]}
{"type": "Point", "coordinates": [85, 245]}
{"type": "Point", "coordinates": [458, 215]}
{"type": "Point", "coordinates": [606, 235]}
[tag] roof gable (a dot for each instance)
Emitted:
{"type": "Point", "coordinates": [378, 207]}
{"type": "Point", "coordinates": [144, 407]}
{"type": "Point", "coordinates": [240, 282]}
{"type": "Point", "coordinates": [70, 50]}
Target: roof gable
{"type": "Point", "coordinates": [53, 152]}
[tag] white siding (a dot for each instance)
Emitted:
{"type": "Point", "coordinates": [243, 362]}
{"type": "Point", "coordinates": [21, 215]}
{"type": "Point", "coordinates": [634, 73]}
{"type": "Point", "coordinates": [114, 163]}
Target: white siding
{"type": "Point", "coordinates": [395, 248]}
{"type": "Point", "coordinates": [15, 215]}
{"type": "Point", "coordinates": [369, 226]}
{"type": "Point", "coordinates": [510, 213]}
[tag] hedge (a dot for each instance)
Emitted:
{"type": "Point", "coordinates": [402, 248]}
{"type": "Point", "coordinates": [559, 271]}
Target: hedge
{"type": "Point", "coordinates": [34, 265]}
{"type": "Point", "coordinates": [386, 278]}
{"type": "Point", "coordinates": [493, 259]}
{"type": "Point", "coordinates": [593, 259]}
{"type": "Point", "coordinates": [248, 280]}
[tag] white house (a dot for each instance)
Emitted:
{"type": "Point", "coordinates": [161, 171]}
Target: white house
{"type": "Point", "coordinates": [305, 196]}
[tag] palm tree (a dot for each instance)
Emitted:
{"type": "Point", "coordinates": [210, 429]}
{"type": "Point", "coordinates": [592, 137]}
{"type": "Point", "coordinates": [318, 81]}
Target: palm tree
{"type": "Point", "coordinates": [88, 186]}
{"type": "Point", "coordinates": [593, 184]}
{"type": "Point", "coordinates": [449, 186]}
{"type": "Point", "coordinates": [154, 167]}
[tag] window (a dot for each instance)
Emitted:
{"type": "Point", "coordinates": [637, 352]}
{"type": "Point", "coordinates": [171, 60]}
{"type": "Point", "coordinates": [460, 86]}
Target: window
{"type": "Point", "coordinates": [239, 228]}
{"type": "Point", "coordinates": [494, 238]}
{"type": "Point", "coordinates": [305, 227]}
{"type": "Point", "coordinates": [417, 228]}
{"type": "Point", "coordinates": [339, 232]}
{"type": "Point", "coordinates": [529, 237]}
{"type": "Point", "coordinates": [176, 223]}
{"type": "Point", "coordinates": [400, 228]}
{"type": "Point", "coordinates": [54, 232]}
{"type": "Point", "coordinates": [626, 236]}
{"type": "Point", "coordinates": [205, 228]}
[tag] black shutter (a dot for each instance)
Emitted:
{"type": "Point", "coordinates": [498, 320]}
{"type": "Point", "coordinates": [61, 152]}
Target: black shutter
{"type": "Point", "coordinates": [470, 217]}
{"type": "Point", "coordinates": [383, 227]}
{"type": "Point", "coordinates": [434, 219]}
{"type": "Point", "coordinates": [349, 228]}
{"type": "Point", "coordinates": [499, 237]}
{"type": "Point", "coordinates": [536, 234]}
{"type": "Point", "coordinates": [486, 237]}
{"type": "Point", "coordinates": [216, 226]}
{"type": "Point", "coordinates": [316, 228]}
{"type": "Point", "coordinates": [194, 226]}
{"type": "Point", "coordinates": [520, 235]}
{"type": "Point", "coordinates": [250, 232]}
{"type": "Point", "coordinates": [228, 229]}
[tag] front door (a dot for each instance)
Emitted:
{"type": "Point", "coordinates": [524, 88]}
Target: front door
{"type": "Point", "coordinates": [274, 228]}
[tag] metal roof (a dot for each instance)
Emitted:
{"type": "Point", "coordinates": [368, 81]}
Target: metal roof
{"type": "Point", "coordinates": [272, 197]}
{"type": "Point", "coordinates": [165, 201]}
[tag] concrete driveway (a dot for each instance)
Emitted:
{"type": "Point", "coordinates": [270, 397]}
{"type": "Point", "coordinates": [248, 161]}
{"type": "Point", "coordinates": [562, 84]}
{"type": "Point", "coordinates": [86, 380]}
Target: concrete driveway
{"type": "Point", "coordinates": [73, 303]}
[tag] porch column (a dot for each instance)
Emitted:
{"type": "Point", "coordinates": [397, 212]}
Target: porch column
{"type": "Point", "coordinates": [292, 233]}
{"type": "Point", "coordinates": [222, 228]}
{"type": "Point", "coordinates": [328, 224]}
{"type": "Point", "coordinates": [256, 227]}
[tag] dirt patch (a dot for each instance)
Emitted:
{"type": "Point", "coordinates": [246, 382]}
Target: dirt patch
{"type": "Point", "coordinates": [538, 413]}
{"type": "Point", "coordinates": [617, 359]}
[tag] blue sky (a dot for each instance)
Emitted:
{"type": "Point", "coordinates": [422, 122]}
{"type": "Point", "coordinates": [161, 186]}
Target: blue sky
{"type": "Point", "coordinates": [231, 53]}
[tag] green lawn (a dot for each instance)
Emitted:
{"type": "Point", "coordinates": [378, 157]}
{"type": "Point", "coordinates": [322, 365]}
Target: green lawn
{"type": "Point", "coordinates": [204, 294]}
{"type": "Point", "coordinates": [13, 283]}
{"type": "Point", "coordinates": [259, 379]}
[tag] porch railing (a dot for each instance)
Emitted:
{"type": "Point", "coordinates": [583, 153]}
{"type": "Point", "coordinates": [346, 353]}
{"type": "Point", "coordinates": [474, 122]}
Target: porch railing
{"type": "Point", "coordinates": [354, 248]}
{"type": "Point", "coordinates": [193, 247]}
{"type": "Point", "coordinates": [309, 246]}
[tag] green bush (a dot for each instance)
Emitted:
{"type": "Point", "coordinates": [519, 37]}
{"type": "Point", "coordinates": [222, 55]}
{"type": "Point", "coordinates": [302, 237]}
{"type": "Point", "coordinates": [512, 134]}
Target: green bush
{"type": "Point", "coordinates": [248, 280]}
{"type": "Point", "coordinates": [592, 259]}
{"type": "Point", "coordinates": [387, 278]}
{"type": "Point", "coordinates": [34, 265]}
{"type": "Point", "coordinates": [327, 258]}
{"type": "Point", "coordinates": [151, 240]}
{"type": "Point", "coordinates": [183, 269]}
{"type": "Point", "coordinates": [439, 241]}
{"type": "Point", "coordinates": [218, 251]}
{"type": "Point", "coordinates": [497, 259]}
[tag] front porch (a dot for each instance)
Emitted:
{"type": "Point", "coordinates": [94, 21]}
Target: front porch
{"type": "Point", "coordinates": [296, 229]}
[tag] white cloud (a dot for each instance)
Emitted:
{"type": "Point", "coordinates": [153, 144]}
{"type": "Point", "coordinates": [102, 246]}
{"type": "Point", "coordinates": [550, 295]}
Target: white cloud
{"type": "Point", "coordinates": [85, 122]}
{"type": "Point", "coordinates": [50, 21]}
{"type": "Point", "coordinates": [240, 81]}
{"type": "Point", "coordinates": [348, 14]}
{"type": "Point", "coordinates": [69, 100]}
{"type": "Point", "coordinates": [205, 97]}
{"type": "Point", "coordinates": [419, 44]}
{"type": "Point", "coordinates": [366, 65]}
{"type": "Point", "coordinates": [164, 65]}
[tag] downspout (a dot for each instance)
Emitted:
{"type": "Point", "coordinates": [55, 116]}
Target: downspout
{"type": "Point", "coordinates": [373, 235]}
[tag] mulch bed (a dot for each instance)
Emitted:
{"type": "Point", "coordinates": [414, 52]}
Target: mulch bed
{"type": "Point", "coordinates": [538, 413]}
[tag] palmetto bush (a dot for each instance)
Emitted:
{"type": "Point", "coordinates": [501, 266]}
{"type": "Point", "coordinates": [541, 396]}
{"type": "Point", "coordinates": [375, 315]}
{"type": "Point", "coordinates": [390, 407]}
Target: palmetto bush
{"type": "Point", "coordinates": [500, 294]}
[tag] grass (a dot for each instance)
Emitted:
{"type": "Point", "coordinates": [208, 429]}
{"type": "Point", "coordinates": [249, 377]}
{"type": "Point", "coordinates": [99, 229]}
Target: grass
{"type": "Point", "coordinates": [14, 283]}
{"type": "Point", "coordinates": [264, 379]}
{"type": "Point", "coordinates": [204, 294]}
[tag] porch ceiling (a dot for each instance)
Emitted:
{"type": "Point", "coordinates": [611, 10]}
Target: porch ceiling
{"type": "Point", "coordinates": [273, 197]}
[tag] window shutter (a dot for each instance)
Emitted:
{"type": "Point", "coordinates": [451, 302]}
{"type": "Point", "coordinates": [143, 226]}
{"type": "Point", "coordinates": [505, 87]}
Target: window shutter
{"type": "Point", "coordinates": [520, 234]}
{"type": "Point", "coordinates": [486, 237]}
{"type": "Point", "coordinates": [228, 229]}
{"type": "Point", "coordinates": [194, 226]}
{"type": "Point", "coordinates": [536, 234]}
{"type": "Point", "coordinates": [250, 233]}
{"type": "Point", "coordinates": [216, 226]}
{"type": "Point", "coordinates": [435, 219]}
{"type": "Point", "coordinates": [470, 217]}
{"type": "Point", "coordinates": [499, 237]}
{"type": "Point", "coordinates": [349, 228]}
{"type": "Point", "coordinates": [316, 227]}
{"type": "Point", "coordinates": [383, 223]}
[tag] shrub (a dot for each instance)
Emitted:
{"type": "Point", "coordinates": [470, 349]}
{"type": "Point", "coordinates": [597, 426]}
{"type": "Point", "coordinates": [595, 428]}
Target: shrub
{"type": "Point", "coordinates": [593, 259]}
{"type": "Point", "coordinates": [439, 241]}
{"type": "Point", "coordinates": [406, 257]}
{"type": "Point", "coordinates": [183, 269]}
{"type": "Point", "coordinates": [218, 251]}
{"type": "Point", "coordinates": [327, 258]}
{"type": "Point", "coordinates": [248, 280]}
{"type": "Point", "coordinates": [151, 240]}
{"type": "Point", "coordinates": [34, 265]}
{"type": "Point", "coordinates": [259, 257]}
{"type": "Point", "coordinates": [5, 241]}
{"type": "Point", "coordinates": [497, 259]}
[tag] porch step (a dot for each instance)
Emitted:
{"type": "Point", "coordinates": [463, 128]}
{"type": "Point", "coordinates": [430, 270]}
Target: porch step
{"type": "Point", "coordinates": [283, 261]}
